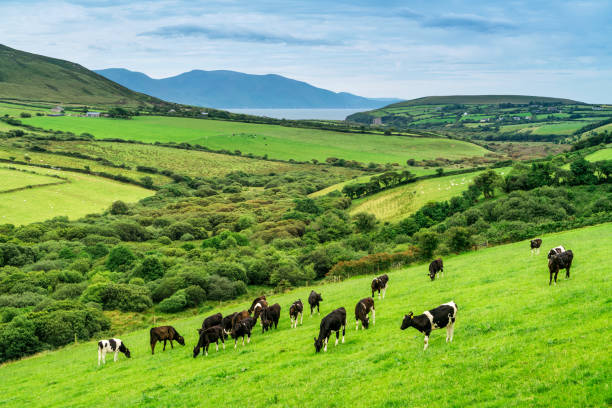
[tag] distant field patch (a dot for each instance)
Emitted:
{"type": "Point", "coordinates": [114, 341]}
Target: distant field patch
{"type": "Point", "coordinates": [12, 179]}
{"type": "Point", "coordinates": [603, 154]}
{"type": "Point", "coordinates": [84, 194]}
{"type": "Point", "coordinates": [275, 141]}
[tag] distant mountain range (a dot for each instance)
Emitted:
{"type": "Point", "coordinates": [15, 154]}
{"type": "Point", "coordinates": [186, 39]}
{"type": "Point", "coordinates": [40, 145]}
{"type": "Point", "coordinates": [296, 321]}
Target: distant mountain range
{"type": "Point", "coordinates": [230, 89]}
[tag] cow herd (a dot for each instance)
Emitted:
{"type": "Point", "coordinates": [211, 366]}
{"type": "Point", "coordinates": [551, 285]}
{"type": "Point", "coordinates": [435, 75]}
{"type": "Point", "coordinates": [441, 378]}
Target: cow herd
{"type": "Point", "coordinates": [217, 327]}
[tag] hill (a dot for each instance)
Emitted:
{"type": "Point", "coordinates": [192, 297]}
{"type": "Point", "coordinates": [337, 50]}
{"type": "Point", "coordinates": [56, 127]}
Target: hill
{"type": "Point", "coordinates": [32, 77]}
{"type": "Point", "coordinates": [482, 99]}
{"type": "Point", "coordinates": [516, 343]}
{"type": "Point", "coordinates": [230, 89]}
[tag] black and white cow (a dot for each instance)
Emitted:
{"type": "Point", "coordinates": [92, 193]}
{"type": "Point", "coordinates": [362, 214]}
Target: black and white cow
{"type": "Point", "coordinates": [334, 321]}
{"type": "Point", "coordinates": [296, 311]}
{"type": "Point", "coordinates": [269, 317]}
{"type": "Point", "coordinates": [555, 251]}
{"type": "Point", "coordinates": [208, 336]}
{"type": "Point", "coordinates": [362, 310]}
{"type": "Point", "coordinates": [436, 266]}
{"type": "Point", "coordinates": [442, 316]}
{"type": "Point", "coordinates": [241, 328]}
{"type": "Point", "coordinates": [560, 261]}
{"type": "Point", "coordinates": [257, 306]}
{"type": "Point", "coordinates": [111, 346]}
{"type": "Point", "coordinates": [380, 284]}
{"type": "Point", "coordinates": [535, 246]}
{"type": "Point", "coordinates": [313, 300]}
{"type": "Point", "coordinates": [214, 320]}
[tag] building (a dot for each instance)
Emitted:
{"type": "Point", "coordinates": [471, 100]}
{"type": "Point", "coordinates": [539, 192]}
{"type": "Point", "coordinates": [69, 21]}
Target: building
{"type": "Point", "coordinates": [204, 113]}
{"type": "Point", "coordinates": [93, 114]}
{"type": "Point", "coordinates": [377, 121]}
{"type": "Point", "coordinates": [57, 109]}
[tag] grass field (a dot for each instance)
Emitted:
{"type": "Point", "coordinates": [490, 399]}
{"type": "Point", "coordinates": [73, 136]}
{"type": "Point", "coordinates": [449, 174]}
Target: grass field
{"type": "Point", "coordinates": [399, 202]}
{"type": "Point", "coordinates": [276, 141]}
{"type": "Point", "coordinates": [603, 154]}
{"type": "Point", "coordinates": [517, 342]}
{"type": "Point", "coordinates": [561, 128]}
{"type": "Point", "coordinates": [84, 194]}
{"type": "Point", "coordinates": [12, 179]}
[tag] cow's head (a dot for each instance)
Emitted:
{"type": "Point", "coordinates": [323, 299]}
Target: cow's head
{"type": "Point", "coordinates": [407, 322]}
{"type": "Point", "coordinates": [318, 344]}
{"type": "Point", "coordinates": [319, 298]}
{"type": "Point", "coordinates": [125, 350]}
{"type": "Point", "coordinates": [196, 351]}
{"type": "Point", "coordinates": [181, 340]}
{"type": "Point", "coordinates": [365, 321]}
{"type": "Point", "coordinates": [432, 275]}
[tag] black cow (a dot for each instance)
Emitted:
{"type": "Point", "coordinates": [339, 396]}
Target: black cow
{"type": "Point", "coordinates": [207, 336]}
{"type": "Point", "coordinates": [270, 316]}
{"type": "Point", "coordinates": [555, 251]}
{"type": "Point", "coordinates": [434, 267]}
{"type": "Point", "coordinates": [362, 310]}
{"type": "Point", "coordinates": [295, 312]}
{"type": "Point", "coordinates": [560, 261]}
{"type": "Point", "coordinates": [241, 328]}
{"type": "Point", "coordinates": [226, 323]}
{"type": "Point", "coordinates": [240, 316]}
{"type": "Point", "coordinates": [334, 321]}
{"type": "Point", "coordinates": [250, 321]}
{"type": "Point", "coordinates": [442, 316]}
{"type": "Point", "coordinates": [165, 333]}
{"type": "Point", "coordinates": [257, 306]}
{"type": "Point", "coordinates": [214, 320]}
{"type": "Point", "coordinates": [313, 300]}
{"type": "Point", "coordinates": [379, 284]}
{"type": "Point", "coordinates": [535, 246]}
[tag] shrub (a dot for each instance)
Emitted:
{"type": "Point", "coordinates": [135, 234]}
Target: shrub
{"type": "Point", "coordinates": [59, 327]}
{"type": "Point", "coordinates": [258, 272]}
{"type": "Point", "coordinates": [150, 269]}
{"type": "Point", "coordinates": [232, 270]}
{"type": "Point", "coordinates": [195, 295]}
{"type": "Point", "coordinates": [20, 300]}
{"type": "Point", "coordinates": [174, 303]}
{"type": "Point", "coordinates": [187, 237]}
{"type": "Point", "coordinates": [178, 229]}
{"type": "Point", "coordinates": [18, 339]}
{"type": "Point", "coordinates": [119, 207]}
{"type": "Point", "coordinates": [69, 291]}
{"type": "Point", "coordinates": [459, 239]}
{"type": "Point", "coordinates": [118, 296]}
{"type": "Point", "coordinates": [8, 313]}
{"type": "Point", "coordinates": [220, 288]}
{"type": "Point", "coordinates": [119, 258]}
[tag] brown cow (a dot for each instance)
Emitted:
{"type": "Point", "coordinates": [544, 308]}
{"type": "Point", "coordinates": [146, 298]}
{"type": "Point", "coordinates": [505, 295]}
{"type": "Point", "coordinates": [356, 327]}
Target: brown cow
{"type": "Point", "coordinates": [362, 310]}
{"type": "Point", "coordinates": [240, 316]}
{"type": "Point", "coordinates": [257, 306]}
{"type": "Point", "coordinates": [165, 333]}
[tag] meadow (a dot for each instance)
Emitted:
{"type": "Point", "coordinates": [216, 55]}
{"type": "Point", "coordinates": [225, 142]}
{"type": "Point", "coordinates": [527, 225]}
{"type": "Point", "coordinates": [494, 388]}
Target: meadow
{"type": "Point", "coordinates": [276, 142]}
{"type": "Point", "coordinates": [603, 154]}
{"type": "Point", "coordinates": [12, 179]}
{"type": "Point", "coordinates": [517, 342]}
{"type": "Point", "coordinates": [83, 194]}
{"type": "Point", "coordinates": [399, 202]}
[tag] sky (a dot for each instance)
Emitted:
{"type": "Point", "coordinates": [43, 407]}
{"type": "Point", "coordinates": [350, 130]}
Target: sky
{"type": "Point", "coordinates": [404, 49]}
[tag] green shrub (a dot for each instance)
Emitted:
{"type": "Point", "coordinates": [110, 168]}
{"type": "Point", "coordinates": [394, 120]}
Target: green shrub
{"type": "Point", "coordinates": [8, 313]}
{"type": "Point", "coordinates": [220, 288]}
{"type": "Point", "coordinates": [119, 257]}
{"type": "Point", "coordinates": [118, 296]}
{"type": "Point", "coordinates": [20, 300]}
{"type": "Point", "coordinates": [231, 270]}
{"type": "Point", "coordinates": [459, 239]}
{"type": "Point", "coordinates": [69, 291]}
{"type": "Point", "coordinates": [150, 269]}
{"type": "Point", "coordinates": [119, 207]}
{"type": "Point", "coordinates": [59, 327]}
{"type": "Point", "coordinates": [174, 303]}
{"type": "Point", "coordinates": [195, 295]}
{"type": "Point", "coordinates": [18, 339]}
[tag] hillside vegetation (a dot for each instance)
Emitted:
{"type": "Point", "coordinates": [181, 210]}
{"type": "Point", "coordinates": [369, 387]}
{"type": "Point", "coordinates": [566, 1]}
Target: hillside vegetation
{"type": "Point", "coordinates": [517, 343]}
{"type": "Point", "coordinates": [481, 99]}
{"type": "Point", "coordinates": [33, 77]}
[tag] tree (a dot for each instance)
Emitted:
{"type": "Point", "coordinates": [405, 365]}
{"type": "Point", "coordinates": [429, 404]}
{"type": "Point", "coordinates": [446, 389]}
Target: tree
{"type": "Point", "coordinates": [119, 257]}
{"type": "Point", "coordinates": [427, 242]}
{"type": "Point", "coordinates": [439, 171]}
{"type": "Point", "coordinates": [119, 207]}
{"type": "Point", "coordinates": [582, 171]}
{"type": "Point", "coordinates": [459, 239]}
{"type": "Point", "coordinates": [364, 222]}
{"type": "Point", "coordinates": [487, 182]}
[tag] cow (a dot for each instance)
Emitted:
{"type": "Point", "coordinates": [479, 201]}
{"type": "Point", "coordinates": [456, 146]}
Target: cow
{"type": "Point", "coordinates": [257, 306]}
{"type": "Point", "coordinates": [362, 310]}
{"type": "Point", "coordinates": [269, 317]}
{"type": "Point", "coordinates": [436, 266]}
{"type": "Point", "coordinates": [209, 335]}
{"type": "Point", "coordinates": [295, 312]}
{"type": "Point", "coordinates": [313, 300]}
{"type": "Point", "coordinates": [535, 246]}
{"type": "Point", "coordinates": [214, 320]}
{"type": "Point", "coordinates": [240, 316]}
{"type": "Point", "coordinates": [555, 251]}
{"type": "Point", "coordinates": [250, 321]}
{"type": "Point", "coordinates": [165, 333]}
{"type": "Point", "coordinates": [334, 321]}
{"type": "Point", "coordinates": [111, 345]}
{"type": "Point", "coordinates": [442, 316]}
{"type": "Point", "coordinates": [380, 284]}
{"type": "Point", "coordinates": [241, 328]}
{"type": "Point", "coordinates": [560, 261]}
{"type": "Point", "coordinates": [226, 323]}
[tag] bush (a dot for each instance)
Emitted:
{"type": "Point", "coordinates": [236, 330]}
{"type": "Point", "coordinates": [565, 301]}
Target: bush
{"type": "Point", "coordinates": [59, 327]}
{"type": "Point", "coordinates": [174, 303]}
{"type": "Point", "coordinates": [459, 239]}
{"type": "Point", "coordinates": [20, 300]}
{"type": "Point", "coordinates": [18, 339]}
{"type": "Point", "coordinates": [131, 231]}
{"type": "Point", "coordinates": [195, 295]}
{"type": "Point", "coordinates": [8, 313]}
{"type": "Point", "coordinates": [150, 269]}
{"type": "Point", "coordinates": [118, 296]}
{"type": "Point", "coordinates": [119, 207]}
{"type": "Point", "coordinates": [232, 270]}
{"type": "Point", "coordinates": [69, 291]}
{"type": "Point", "coordinates": [178, 229]}
{"type": "Point", "coordinates": [258, 272]}
{"type": "Point", "coordinates": [220, 288]}
{"type": "Point", "coordinates": [119, 257]}
{"type": "Point", "coordinates": [187, 237]}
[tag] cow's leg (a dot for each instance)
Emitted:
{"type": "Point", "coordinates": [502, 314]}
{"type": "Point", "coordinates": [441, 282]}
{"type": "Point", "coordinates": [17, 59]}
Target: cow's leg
{"type": "Point", "coordinates": [235, 342]}
{"type": "Point", "coordinates": [343, 328]}
{"type": "Point", "coordinates": [99, 356]}
{"type": "Point", "coordinates": [426, 342]}
{"type": "Point", "coordinates": [153, 346]}
{"type": "Point", "coordinates": [357, 324]}
{"type": "Point", "coordinates": [556, 273]}
{"type": "Point", "coordinates": [311, 309]}
{"type": "Point", "coordinates": [452, 331]}
{"type": "Point", "coordinates": [206, 349]}
{"type": "Point", "coordinates": [291, 321]}
{"type": "Point", "coordinates": [373, 316]}
{"type": "Point", "coordinates": [165, 344]}
{"type": "Point", "coordinates": [248, 338]}
{"type": "Point", "coordinates": [171, 345]}
{"type": "Point", "coordinates": [550, 279]}
{"type": "Point", "coordinates": [325, 348]}
{"type": "Point", "coordinates": [448, 331]}
{"type": "Point", "coordinates": [217, 345]}
{"type": "Point", "coordinates": [103, 356]}
{"type": "Point", "coordinates": [567, 272]}
{"type": "Point", "coordinates": [337, 337]}
{"type": "Point", "coordinates": [116, 352]}
{"type": "Point", "coordinates": [301, 318]}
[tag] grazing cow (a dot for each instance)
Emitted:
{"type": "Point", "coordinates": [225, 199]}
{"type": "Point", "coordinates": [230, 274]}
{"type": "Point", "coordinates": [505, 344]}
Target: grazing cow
{"type": "Point", "coordinates": [214, 320]}
{"type": "Point", "coordinates": [241, 328]}
{"type": "Point", "coordinates": [257, 306]}
{"type": "Point", "coordinates": [165, 333]}
{"type": "Point", "coordinates": [334, 321]}
{"type": "Point", "coordinates": [239, 316]}
{"type": "Point", "coordinates": [250, 321]}
{"type": "Point", "coordinates": [111, 345]}
{"type": "Point", "coordinates": [207, 336]}
{"type": "Point", "coordinates": [442, 316]}
{"type": "Point", "coordinates": [535, 246]}
{"type": "Point", "coordinates": [560, 261]}
{"type": "Point", "coordinates": [269, 317]}
{"type": "Point", "coordinates": [295, 312]}
{"type": "Point", "coordinates": [226, 323]}
{"type": "Point", "coordinates": [379, 284]}
{"type": "Point", "coordinates": [555, 251]}
{"type": "Point", "coordinates": [313, 300]}
{"type": "Point", "coordinates": [434, 267]}
{"type": "Point", "coordinates": [362, 310]}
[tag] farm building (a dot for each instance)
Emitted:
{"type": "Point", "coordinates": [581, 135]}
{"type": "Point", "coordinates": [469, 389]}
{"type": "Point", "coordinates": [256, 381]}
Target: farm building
{"type": "Point", "coordinates": [93, 114]}
{"type": "Point", "coordinates": [377, 121]}
{"type": "Point", "coordinates": [57, 109]}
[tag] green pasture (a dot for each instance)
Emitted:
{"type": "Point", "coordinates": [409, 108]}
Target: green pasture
{"type": "Point", "coordinates": [400, 202]}
{"type": "Point", "coordinates": [603, 154]}
{"type": "Point", "coordinates": [11, 179]}
{"type": "Point", "coordinates": [517, 342]}
{"type": "Point", "coordinates": [83, 194]}
{"type": "Point", "coordinates": [275, 141]}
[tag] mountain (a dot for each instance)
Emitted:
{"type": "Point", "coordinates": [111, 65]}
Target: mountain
{"type": "Point", "coordinates": [33, 77]}
{"type": "Point", "coordinates": [481, 99]}
{"type": "Point", "coordinates": [230, 89]}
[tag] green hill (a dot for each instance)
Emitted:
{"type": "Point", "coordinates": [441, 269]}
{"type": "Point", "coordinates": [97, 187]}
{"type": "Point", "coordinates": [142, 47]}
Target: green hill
{"type": "Point", "coordinates": [517, 342]}
{"type": "Point", "coordinates": [32, 77]}
{"type": "Point", "coordinates": [481, 99]}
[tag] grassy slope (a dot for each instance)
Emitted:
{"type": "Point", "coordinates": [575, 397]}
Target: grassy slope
{"type": "Point", "coordinates": [38, 78]}
{"type": "Point", "coordinates": [478, 99]}
{"type": "Point", "coordinates": [276, 141]}
{"type": "Point", "coordinates": [603, 154]}
{"type": "Point", "coordinates": [399, 202]}
{"type": "Point", "coordinates": [518, 342]}
{"type": "Point", "coordinates": [84, 194]}
{"type": "Point", "coordinates": [10, 179]}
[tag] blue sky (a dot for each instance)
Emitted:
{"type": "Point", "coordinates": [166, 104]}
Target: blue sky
{"type": "Point", "coordinates": [403, 49]}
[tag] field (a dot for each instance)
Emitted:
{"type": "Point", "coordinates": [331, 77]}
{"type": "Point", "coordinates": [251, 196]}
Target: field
{"type": "Point", "coordinates": [517, 342]}
{"type": "Point", "coordinates": [82, 195]}
{"type": "Point", "coordinates": [277, 142]}
{"type": "Point", "coordinates": [399, 202]}
{"type": "Point", "coordinates": [603, 154]}
{"type": "Point", "coordinates": [13, 179]}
